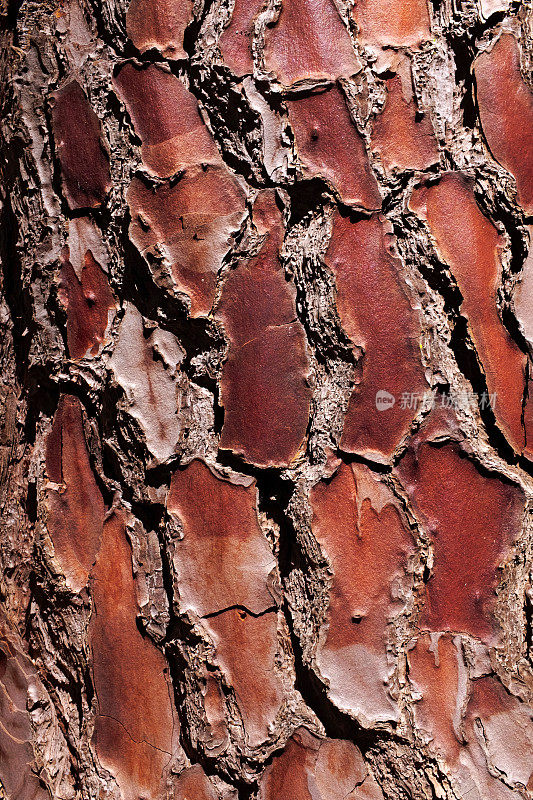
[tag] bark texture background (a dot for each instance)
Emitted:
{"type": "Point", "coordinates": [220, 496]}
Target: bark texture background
{"type": "Point", "coordinates": [266, 469]}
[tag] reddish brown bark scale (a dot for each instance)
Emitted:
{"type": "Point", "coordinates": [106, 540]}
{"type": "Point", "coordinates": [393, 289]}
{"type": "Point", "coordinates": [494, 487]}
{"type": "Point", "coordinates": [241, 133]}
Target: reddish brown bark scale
{"type": "Point", "coordinates": [506, 112]}
{"type": "Point", "coordinates": [264, 387]}
{"type": "Point", "coordinates": [472, 251]}
{"type": "Point", "coordinates": [166, 118]}
{"type": "Point", "coordinates": [299, 47]}
{"type": "Point", "coordinates": [88, 300]}
{"type": "Point", "coordinates": [434, 671]}
{"type": "Point", "coordinates": [75, 507]}
{"type": "Point", "coordinates": [318, 769]}
{"type": "Point", "coordinates": [17, 683]}
{"type": "Point", "coordinates": [80, 148]}
{"type": "Point", "coordinates": [472, 518]}
{"type": "Point", "coordinates": [224, 559]}
{"type": "Point", "coordinates": [159, 24]}
{"type": "Point", "coordinates": [193, 784]}
{"type": "Point", "coordinates": [402, 140]}
{"type": "Point", "coordinates": [191, 224]}
{"type": "Point", "coordinates": [135, 726]}
{"type": "Point", "coordinates": [246, 649]}
{"type": "Point", "coordinates": [357, 521]}
{"type": "Point", "coordinates": [376, 313]}
{"type": "Point", "coordinates": [328, 144]}
{"type": "Point", "coordinates": [236, 40]}
{"type": "Point", "coordinates": [387, 22]}
{"type": "Point", "coordinates": [471, 723]}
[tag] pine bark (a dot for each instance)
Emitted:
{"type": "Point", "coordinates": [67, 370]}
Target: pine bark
{"type": "Point", "coordinates": [266, 469]}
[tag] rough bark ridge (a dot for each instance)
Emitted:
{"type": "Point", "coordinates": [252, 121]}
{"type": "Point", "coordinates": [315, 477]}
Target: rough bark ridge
{"type": "Point", "coordinates": [266, 469]}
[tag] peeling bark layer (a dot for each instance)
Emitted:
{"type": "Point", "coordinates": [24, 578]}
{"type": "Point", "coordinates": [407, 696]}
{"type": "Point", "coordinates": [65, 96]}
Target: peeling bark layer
{"type": "Point", "coordinates": [266, 427]}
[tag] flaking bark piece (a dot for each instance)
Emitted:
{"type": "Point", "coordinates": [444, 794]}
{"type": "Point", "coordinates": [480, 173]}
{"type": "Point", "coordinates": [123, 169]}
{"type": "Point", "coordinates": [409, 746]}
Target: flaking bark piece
{"type": "Point", "coordinates": [246, 650]}
{"type": "Point", "coordinates": [134, 733]}
{"type": "Point", "coordinates": [377, 315]}
{"type": "Point", "coordinates": [80, 148]}
{"type": "Point", "coordinates": [223, 558]}
{"type": "Point", "coordinates": [470, 244]}
{"type": "Point", "coordinates": [385, 23]}
{"type": "Point", "coordinates": [159, 24]}
{"type": "Point", "coordinates": [472, 518]}
{"type": "Point", "coordinates": [264, 385]}
{"type": "Point", "coordinates": [506, 731]}
{"type": "Point", "coordinates": [491, 735]}
{"type": "Point", "coordinates": [88, 301]}
{"type": "Point", "coordinates": [310, 768]}
{"type": "Point", "coordinates": [17, 683]}
{"type": "Point", "coordinates": [215, 735]}
{"type": "Point", "coordinates": [329, 144]}
{"type": "Point", "coordinates": [84, 235]}
{"type": "Point", "coordinates": [190, 223]}
{"type": "Point", "coordinates": [193, 784]}
{"type": "Point", "coordinates": [75, 505]}
{"type": "Point", "coordinates": [437, 673]}
{"type": "Point", "coordinates": [357, 521]}
{"type": "Point", "coordinates": [523, 297]}
{"type": "Point", "coordinates": [236, 40]}
{"type": "Point", "coordinates": [146, 366]}
{"type": "Point", "coordinates": [506, 110]}
{"type": "Point", "coordinates": [309, 42]}
{"type": "Point", "coordinates": [167, 119]}
{"type": "Point", "coordinates": [400, 137]}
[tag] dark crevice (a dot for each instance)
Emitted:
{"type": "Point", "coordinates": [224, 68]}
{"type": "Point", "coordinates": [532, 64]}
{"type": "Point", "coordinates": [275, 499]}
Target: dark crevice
{"type": "Point", "coordinates": [306, 197]}
{"type": "Point", "coordinates": [275, 495]}
{"type": "Point", "coordinates": [245, 611]}
{"type": "Point", "coordinates": [16, 293]}
{"type": "Point", "coordinates": [441, 280]}
{"type": "Point", "coordinates": [464, 53]}
{"type": "Point", "coordinates": [196, 335]}
{"type": "Point", "coordinates": [463, 44]}
{"type": "Point", "coordinates": [192, 32]}
{"type": "Point", "coordinates": [236, 126]}
{"type": "Point", "coordinates": [227, 458]}
{"type": "Point", "coordinates": [512, 326]}
{"type": "Point", "coordinates": [356, 458]}
{"type": "Point", "coordinates": [502, 211]}
{"type": "Point", "coordinates": [9, 17]}
{"type": "Point", "coordinates": [31, 502]}
{"type": "Point", "coordinates": [372, 742]}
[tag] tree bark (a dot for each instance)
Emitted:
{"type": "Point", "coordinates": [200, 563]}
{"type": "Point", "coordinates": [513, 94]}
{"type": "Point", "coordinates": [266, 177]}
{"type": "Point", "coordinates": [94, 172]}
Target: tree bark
{"type": "Point", "coordinates": [266, 470]}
